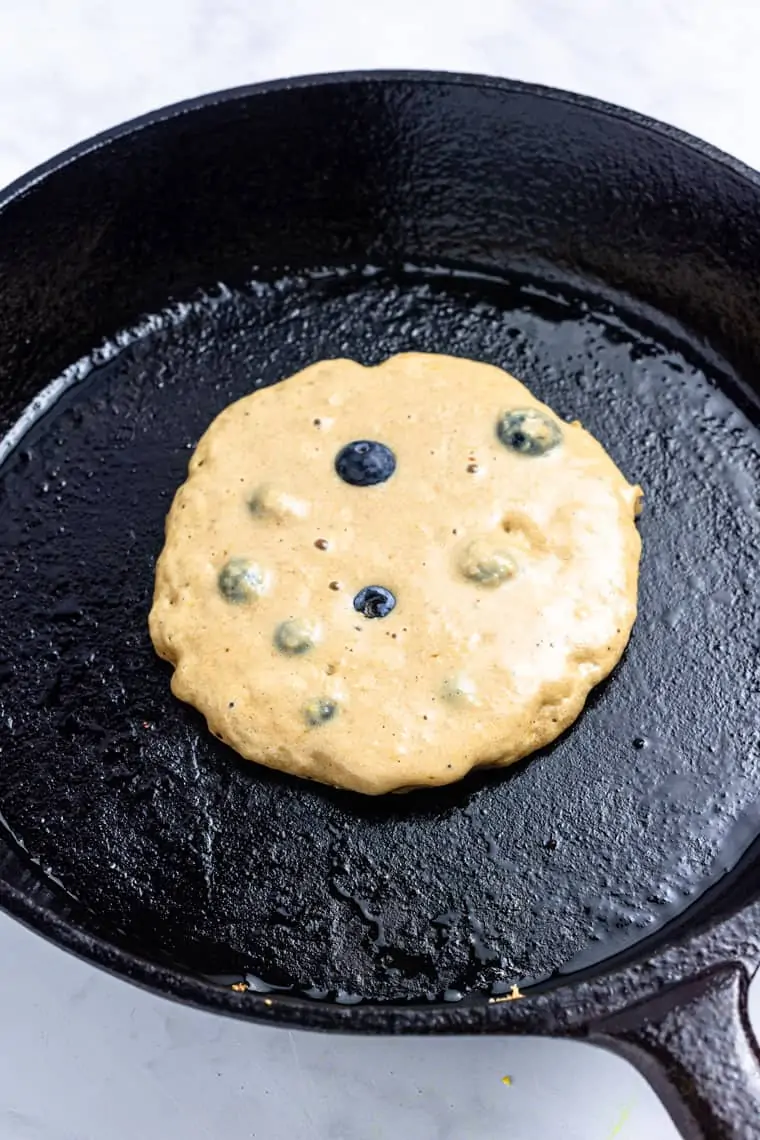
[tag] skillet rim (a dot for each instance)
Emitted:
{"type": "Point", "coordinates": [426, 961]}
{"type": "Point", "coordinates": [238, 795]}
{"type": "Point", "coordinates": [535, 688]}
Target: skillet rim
{"type": "Point", "coordinates": [567, 1009]}
{"type": "Point", "coordinates": [26, 182]}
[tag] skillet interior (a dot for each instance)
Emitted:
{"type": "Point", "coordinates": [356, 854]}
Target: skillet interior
{"type": "Point", "coordinates": [187, 854]}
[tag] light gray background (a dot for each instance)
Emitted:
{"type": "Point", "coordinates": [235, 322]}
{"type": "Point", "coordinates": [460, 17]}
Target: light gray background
{"type": "Point", "coordinates": [82, 1056]}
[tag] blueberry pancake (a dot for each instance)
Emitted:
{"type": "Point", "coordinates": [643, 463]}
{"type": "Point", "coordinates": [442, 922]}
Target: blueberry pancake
{"type": "Point", "coordinates": [381, 578]}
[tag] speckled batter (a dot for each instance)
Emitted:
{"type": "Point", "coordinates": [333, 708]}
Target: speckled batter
{"type": "Point", "coordinates": [500, 544]}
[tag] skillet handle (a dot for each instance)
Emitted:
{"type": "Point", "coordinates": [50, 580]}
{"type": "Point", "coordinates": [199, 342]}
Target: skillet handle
{"type": "Point", "coordinates": [694, 1044]}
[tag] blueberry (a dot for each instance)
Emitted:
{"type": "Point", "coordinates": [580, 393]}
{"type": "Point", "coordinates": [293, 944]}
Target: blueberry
{"type": "Point", "coordinates": [528, 432]}
{"type": "Point", "coordinates": [365, 462]}
{"type": "Point", "coordinates": [294, 637]}
{"type": "Point", "coordinates": [486, 564]}
{"type": "Point", "coordinates": [374, 602]}
{"type": "Point", "coordinates": [241, 581]}
{"type": "Point", "coordinates": [319, 711]}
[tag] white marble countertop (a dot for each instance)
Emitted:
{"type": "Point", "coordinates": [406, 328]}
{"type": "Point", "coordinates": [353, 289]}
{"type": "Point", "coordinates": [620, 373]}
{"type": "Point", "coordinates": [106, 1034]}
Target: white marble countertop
{"type": "Point", "coordinates": [86, 1057]}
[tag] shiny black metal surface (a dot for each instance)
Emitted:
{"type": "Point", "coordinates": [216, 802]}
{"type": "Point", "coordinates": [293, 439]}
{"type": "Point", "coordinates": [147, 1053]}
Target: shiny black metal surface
{"type": "Point", "coordinates": [611, 264]}
{"type": "Point", "coordinates": [189, 854]}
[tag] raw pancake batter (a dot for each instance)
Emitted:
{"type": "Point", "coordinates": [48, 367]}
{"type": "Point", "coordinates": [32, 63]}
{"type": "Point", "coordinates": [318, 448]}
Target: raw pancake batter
{"type": "Point", "coordinates": [381, 578]}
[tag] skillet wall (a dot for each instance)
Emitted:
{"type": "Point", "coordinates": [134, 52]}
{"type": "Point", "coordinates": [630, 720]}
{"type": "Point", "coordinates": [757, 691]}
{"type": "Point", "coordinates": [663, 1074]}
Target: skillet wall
{"type": "Point", "coordinates": [410, 170]}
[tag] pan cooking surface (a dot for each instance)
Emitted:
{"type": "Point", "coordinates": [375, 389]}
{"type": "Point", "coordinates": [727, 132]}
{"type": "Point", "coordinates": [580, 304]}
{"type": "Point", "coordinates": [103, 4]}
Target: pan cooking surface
{"type": "Point", "coordinates": [191, 855]}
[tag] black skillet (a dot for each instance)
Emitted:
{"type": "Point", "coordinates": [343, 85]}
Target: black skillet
{"type": "Point", "coordinates": [614, 265]}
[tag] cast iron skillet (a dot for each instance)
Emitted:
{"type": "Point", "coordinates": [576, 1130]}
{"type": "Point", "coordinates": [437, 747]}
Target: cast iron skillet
{"type": "Point", "coordinates": [170, 266]}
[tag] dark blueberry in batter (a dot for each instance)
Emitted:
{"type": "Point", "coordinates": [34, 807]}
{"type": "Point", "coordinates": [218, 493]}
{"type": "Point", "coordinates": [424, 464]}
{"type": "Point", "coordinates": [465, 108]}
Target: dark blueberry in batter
{"type": "Point", "coordinates": [319, 711]}
{"type": "Point", "coordinates": [528, 432]}
{"type": "Point", "coordinates": [241, 581]}
{"type": "Point", "coordinates": [294, 637]}
{"type": "Point", "coordinates": [374, 602]}
{"type": "Point", "coordinates": [365, 462]}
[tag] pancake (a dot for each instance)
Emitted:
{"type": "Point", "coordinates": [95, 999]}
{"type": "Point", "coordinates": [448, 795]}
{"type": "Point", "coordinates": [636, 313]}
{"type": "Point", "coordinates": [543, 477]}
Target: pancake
{"type": "Point", "coordinates": [381, 578]}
